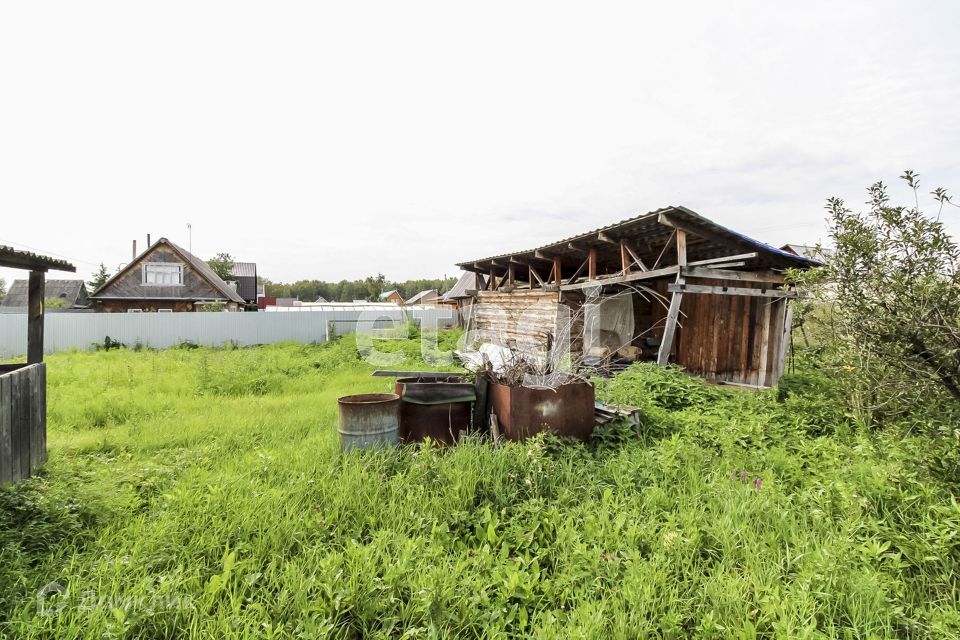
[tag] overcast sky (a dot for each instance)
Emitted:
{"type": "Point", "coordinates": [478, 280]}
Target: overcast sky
{"type": "Point", "coordinates": [336, 140]}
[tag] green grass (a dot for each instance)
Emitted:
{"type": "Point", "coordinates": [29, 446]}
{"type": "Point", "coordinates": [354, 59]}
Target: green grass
{"type": "Point", "coordinates": [198, 493]}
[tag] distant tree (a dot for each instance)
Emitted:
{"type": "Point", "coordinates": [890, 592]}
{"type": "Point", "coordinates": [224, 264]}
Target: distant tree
{"type": "Point", "coordinates": [3, 288]}
{"type": "Point", "coordinates": [369, 288]}
{"type": "Point", "coordinates": [374, 286]}
{"type": "Point", "coordinates": [100, 276]}
{"type": "Point", "coordinates": [222, 265]}
{"type": "Point", "coordinates": [54, 303]}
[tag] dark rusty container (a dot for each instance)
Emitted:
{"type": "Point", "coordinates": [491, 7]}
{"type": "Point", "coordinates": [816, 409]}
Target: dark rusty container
{"type": "Point", "coordinates": [523, 412]}
{"type": "Point", "coordinates": [369, 421]}
{"type": "Point", "coordinates": [427, 411]}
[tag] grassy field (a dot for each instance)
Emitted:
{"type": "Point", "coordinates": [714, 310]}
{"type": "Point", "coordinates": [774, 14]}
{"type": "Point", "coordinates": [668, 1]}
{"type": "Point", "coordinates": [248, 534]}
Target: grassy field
{"type": "Point", "coordinates": [198, 493]}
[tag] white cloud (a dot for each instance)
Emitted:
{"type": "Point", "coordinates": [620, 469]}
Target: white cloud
{"type": "Point", "coordinates": [337, 140]}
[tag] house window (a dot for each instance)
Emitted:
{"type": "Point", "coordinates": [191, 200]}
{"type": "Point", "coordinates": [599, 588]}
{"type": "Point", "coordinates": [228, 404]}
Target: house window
{"type": "Point", "coordinates": [134, 310]}
{"type": "Point", "coordinates": [163, 273]}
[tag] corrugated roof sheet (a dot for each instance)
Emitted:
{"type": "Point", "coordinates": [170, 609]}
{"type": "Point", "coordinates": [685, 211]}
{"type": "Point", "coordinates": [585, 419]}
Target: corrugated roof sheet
{"type": "Point", "coordinates": [16, 259]}
{"type": "Point", "coordinates": [244, 269]}
{"type": "Point", "coordinates": [646, 225]}
{"type": "Point", "coordinates": [468, 282]}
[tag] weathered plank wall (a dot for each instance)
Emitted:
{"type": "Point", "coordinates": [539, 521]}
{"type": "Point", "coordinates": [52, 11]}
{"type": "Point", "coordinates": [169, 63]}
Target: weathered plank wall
{"type": "Point", "coordinates": [732, 338]}
{"type": "Point", "coordinates": [23, 422]}
{"type": "Point", "coordinates": [517, 319]}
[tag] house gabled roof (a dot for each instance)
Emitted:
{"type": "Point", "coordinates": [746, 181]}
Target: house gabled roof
{"type": "Point", "coordinates": [649, 236]}
{"type": "Point", "coordinates": [420, 296]}
{"type": "Point", "coordinates": [387, 294]}
{"type": "Point", "coordinates": [469, 281]}
{"type": "Point", "coordinates": [198, 265]}
{"type": "Point", "coordinates": [72, 292]}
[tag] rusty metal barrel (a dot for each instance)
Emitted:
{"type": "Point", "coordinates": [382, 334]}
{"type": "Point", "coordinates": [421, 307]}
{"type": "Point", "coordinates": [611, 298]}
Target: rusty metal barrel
{"type": "Point", "coordinates": [369, 421]}
{"type": "Point", "coordinates": [435, 406]}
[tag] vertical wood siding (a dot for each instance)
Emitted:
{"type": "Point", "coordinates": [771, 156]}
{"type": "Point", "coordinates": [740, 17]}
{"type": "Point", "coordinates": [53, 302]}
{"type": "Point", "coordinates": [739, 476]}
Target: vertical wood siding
{"type": "Point", "coordinates": [23, 422]}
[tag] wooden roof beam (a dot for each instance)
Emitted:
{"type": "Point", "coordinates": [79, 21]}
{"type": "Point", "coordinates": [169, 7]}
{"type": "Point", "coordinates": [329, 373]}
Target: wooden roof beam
{"type": "Point", "coordinates": [743, 276]}
{"type": "Point", "coordinates": [731, 291]}
{"type": "Point", "coordinates": [722, 259]}
{"type": "Point", "coordinates": [603, 237]}
{"type": "Point", "coordinates": [630, 277]}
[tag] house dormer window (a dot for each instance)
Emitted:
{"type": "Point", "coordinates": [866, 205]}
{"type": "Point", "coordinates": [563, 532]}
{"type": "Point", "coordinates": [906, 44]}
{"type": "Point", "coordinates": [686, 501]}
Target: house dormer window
{"type": "Point", "coordinates": [162, 273]}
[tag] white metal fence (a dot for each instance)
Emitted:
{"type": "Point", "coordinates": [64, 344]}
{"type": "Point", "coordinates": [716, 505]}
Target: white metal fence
{"type": "Point", "coordinates": [65, 331]}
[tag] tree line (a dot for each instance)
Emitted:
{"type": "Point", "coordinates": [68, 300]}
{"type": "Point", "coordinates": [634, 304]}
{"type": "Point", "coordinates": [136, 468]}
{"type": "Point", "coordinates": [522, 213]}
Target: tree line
{"type": "Point", "coordinates": [368, 288]}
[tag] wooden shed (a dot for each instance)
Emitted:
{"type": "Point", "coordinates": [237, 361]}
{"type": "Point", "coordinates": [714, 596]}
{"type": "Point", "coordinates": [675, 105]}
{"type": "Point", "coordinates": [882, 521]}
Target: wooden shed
{"type": "Point", "coordinates": [675, 286]}
{"type": "Point", "coordinates": [23, 387]}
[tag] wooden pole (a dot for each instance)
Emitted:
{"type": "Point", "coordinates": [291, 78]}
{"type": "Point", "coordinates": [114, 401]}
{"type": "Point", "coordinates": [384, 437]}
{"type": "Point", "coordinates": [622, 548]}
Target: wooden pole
{"type": "Point", "coordinates": [556, 271]}
{"type": "Point", "coordinates": [764, 345]}
{"type": "Point", "coordinates": [35, 292]}
{"type": "Point", "coordinates": [681, 247]}
{"type": "Point", "coordinates": [592, 264]}
{"type": "Point", "coordinates": [673, 313]}
{"type": "Point", "coordinates": [624, 257]}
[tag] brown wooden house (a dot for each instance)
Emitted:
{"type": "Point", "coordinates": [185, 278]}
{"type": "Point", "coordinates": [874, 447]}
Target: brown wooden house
{"type": "Point", "coordinates": [166, 277]}
{"type": "Point", "coordinates": [667, 286]}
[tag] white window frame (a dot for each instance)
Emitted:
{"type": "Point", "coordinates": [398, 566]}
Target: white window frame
{"type": "Point", "coordinates": [145, 266]}
{"type": "Point", "coordinates": [134, 310]}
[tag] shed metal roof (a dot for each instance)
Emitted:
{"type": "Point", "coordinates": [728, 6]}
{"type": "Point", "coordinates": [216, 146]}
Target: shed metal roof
{"type": "Point", "coordinates": [244, 269]}
{"type": "Point", "coordinates": [648, 237]}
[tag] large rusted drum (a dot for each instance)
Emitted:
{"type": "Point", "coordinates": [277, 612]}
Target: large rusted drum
{"type": "Point", "coordinates": [523, 412]}
{"type": "Point", "coordinates": [437, 407]}
{"type": "Point", "coordinates": [369, 421]}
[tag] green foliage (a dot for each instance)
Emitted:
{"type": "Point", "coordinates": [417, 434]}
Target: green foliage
{"type": "Point", "coordinates": [100, 277]}
{"type": "Point", "coordinates": [54, 303]}
{"type": "Point", "coordinates": [893, 288]}
{"type": "Point", "coordinates": [3, 289]}
{"type": "Point", "coordinates": [222, 265]}
{"type": "Point", "coordinates": [212, 307]}
{"type": "Point", "coordinates": [369, 288]}
{"type": "Point", "coordinates": [197, 504]}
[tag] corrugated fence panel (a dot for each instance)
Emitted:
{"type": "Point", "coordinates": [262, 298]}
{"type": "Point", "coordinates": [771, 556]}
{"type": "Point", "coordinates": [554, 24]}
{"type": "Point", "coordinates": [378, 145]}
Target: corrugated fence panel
{"type": "Point", "coordinates": [64, 331]}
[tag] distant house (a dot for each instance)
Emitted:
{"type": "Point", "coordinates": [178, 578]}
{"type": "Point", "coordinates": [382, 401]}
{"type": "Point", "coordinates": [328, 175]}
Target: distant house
{"type": "Point", "coordinates": [391, 296]}
{"type": "Point", "coordinates": [429, 296]}
{"type": "Point", "coordinates": [165, 277]}
{"type": "Point", "coordinates": [321, 300]}
{"type": "Point", "coordinates": [462, 293]}
{"type": "Point", "coordinates": [68, 294]}
{"type": "Point", "coordinates": [245, 273]}
{"type": "Point", "coordinates": [802, 250]}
